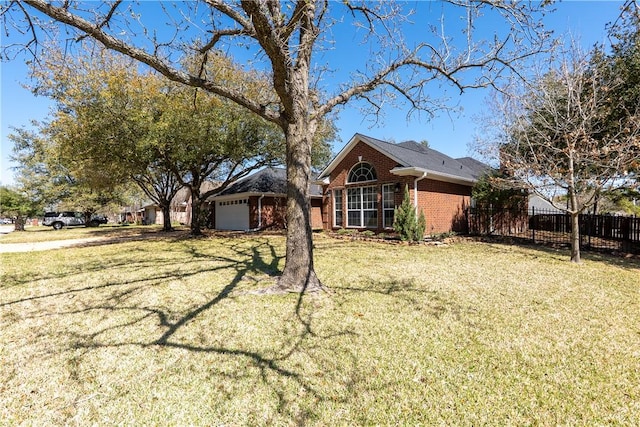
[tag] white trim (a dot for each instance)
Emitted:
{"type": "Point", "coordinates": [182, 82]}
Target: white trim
{"type": "Point", "coordinates": [437, 176]}
{"type": "Point", "coordinates": [393, 195]}
{"type": "Point", "coordinates": [333, 203]}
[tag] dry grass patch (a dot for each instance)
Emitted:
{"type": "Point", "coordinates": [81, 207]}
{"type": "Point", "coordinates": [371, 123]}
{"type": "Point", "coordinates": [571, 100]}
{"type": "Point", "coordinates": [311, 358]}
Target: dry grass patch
{"type": "Point", "coordinates": [165, 332]}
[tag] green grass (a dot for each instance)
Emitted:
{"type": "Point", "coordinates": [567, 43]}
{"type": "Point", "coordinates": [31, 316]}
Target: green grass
{"type": "Point", "coordinates": [164, 331]}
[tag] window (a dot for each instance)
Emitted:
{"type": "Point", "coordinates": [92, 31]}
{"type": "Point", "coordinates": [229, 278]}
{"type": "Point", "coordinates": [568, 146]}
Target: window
{"type": "Point", "coordinates": [362, 207]}
{"type": "Point", "coordinates": [338, 220]}
{"type": "Point", "coordinates": [388, 205]}
{"type": "Point", "coordinates": [362, 172]}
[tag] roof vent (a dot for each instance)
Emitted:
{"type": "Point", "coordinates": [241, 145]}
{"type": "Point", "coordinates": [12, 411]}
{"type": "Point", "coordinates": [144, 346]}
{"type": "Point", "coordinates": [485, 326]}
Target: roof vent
{"type": "Point", "coordinates": [443, 162]}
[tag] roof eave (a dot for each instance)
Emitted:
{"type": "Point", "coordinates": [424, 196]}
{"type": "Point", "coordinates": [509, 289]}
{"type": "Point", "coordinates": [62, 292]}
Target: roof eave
{"type": "Point", "coordinates": [438, 176]}
{"type": "Point", "coordinates": [245, 194]}
{"type": "Point", "coordinates": [252, 194]}
{"type": "Point", "coordinates": [323, 181]}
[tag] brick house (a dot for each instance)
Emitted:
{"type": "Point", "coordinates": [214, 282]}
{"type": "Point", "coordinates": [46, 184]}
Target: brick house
{"type": "Point", "coordinates": [258, 201]}
{"type": "Point", "coordinates": [363, 184]}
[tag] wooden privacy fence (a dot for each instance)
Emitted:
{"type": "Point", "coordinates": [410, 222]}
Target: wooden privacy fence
{"type": "Point", "coordinates": [608, 232]}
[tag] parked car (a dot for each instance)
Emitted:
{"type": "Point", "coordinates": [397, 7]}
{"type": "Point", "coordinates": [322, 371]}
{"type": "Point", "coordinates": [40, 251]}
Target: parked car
{"type": "Point", "coordinates": [57, 220]}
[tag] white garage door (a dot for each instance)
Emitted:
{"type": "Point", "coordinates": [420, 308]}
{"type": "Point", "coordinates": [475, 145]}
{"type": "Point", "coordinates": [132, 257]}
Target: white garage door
{"type": "Point", "coordinates": [232, 214]}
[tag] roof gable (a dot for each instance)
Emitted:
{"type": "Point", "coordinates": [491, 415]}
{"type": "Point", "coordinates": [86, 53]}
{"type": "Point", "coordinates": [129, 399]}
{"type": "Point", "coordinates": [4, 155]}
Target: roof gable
{"type": "Point", "coordinates": [410, 154]}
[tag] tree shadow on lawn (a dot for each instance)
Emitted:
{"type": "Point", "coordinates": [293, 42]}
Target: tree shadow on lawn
{"type": "Point", "coordinates": [128, 315]}
{"type": "Point", "coordinates": [432, 303]}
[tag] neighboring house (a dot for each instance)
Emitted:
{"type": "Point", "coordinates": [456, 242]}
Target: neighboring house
{"type": "Point", "coordinates": [258, 201]}
{"type": "Point", "coordinates": [365, 182]}
{"type": "Point", "coordinates": [539, 205]}
{"type": "Point", "coordinates": [179, 210]}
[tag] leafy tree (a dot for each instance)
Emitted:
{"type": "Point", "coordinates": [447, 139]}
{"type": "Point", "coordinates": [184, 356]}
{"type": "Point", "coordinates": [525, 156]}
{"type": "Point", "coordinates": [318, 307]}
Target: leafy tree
{"type": "Point", "coordinates": [490, 191]}
{"type": "Point", "coordinates": [555, 138]}
{"type": "Point", "coordinates": [407, 223]}
{"type": "Point", "coordinates": [209, 138]}
{"type": "Point", "coordinates": [287, 39]}
{"type": "Point", "coordinates": [620, 67]}
{"type": "Point", "coordinates": [161, 135]}
{"type": "Point", "coordinates": [16, 205]}
{"type": "Point", "coordinates": [53, 177]}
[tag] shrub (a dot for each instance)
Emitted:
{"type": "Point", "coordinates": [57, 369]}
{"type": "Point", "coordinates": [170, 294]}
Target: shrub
{"type": "Point", "coordinates": [409, 226]}
{"type": "Point", "coordinates": [346, 231]}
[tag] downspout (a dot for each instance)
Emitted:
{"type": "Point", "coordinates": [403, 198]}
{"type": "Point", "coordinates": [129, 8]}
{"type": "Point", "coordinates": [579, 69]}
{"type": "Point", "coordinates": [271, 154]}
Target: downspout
{"type": "Point", "coordinates": [259, 216]}
{"type": "Point", "coordinates": [260, 211]}
{"type": "Point", "coordinates": [415, 190]}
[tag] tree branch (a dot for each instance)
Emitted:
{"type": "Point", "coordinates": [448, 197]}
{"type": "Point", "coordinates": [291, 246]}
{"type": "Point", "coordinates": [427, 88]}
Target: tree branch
{"type": "Point", "coordinates": [153, 61]}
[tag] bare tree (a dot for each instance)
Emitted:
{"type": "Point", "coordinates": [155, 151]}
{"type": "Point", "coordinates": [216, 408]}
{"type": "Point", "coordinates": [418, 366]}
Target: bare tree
{"type": "Point", "coordinates": [558, 137]}
{"type": "Point", "coordinates": [287, 39]}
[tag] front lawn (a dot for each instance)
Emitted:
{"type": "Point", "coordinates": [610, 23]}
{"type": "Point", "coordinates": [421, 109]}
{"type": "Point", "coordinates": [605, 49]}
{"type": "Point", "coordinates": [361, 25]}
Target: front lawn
{"type": "Point", "coordinates": [167, 332]}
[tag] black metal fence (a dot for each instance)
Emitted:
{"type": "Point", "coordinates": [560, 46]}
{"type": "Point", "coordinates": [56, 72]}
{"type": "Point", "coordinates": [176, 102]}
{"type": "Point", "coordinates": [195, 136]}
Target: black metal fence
{"type": "Point", "coordinates": [597, 232]}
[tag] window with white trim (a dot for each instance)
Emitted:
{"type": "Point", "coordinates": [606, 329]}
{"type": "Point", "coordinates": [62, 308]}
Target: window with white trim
{"type": "Point", "coordinates": [362, 172]}
{"type": "Point", "coordinates": [338, 220]}
{"type": "Point", "coordinates": [362, 207]}
{"type": "Point", "coordinates": [388, 205]}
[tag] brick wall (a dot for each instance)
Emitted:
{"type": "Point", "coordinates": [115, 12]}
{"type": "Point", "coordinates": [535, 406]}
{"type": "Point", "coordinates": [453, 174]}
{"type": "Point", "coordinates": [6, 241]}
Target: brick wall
{"type": "Point", "coordinates": [273, 211]}
{"type": "Point", "coordinates": [444, 205]}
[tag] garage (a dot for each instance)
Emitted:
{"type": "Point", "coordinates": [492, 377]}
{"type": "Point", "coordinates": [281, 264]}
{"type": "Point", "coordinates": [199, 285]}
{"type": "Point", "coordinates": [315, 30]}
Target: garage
{"type": "Point", "coordinates": [232, 214]}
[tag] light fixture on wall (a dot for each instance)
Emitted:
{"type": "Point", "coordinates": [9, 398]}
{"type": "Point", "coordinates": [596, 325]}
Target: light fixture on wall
{"type": "Point", "coordinates": [397, 187]}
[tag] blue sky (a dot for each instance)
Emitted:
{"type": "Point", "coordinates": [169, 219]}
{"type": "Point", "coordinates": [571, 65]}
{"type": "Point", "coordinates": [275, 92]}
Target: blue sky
{"type": "Point", "coordinates": [449, 133]}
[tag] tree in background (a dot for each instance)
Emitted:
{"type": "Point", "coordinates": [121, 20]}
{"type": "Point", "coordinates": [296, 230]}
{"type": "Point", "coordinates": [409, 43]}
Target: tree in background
{"type": "Point", "coordinates": [142, 127]}
{"type": "Point", "coordinates": [490, 191]}
{"type": "Point", "coordinates": [17, 205]}
{"type": "Point", "coordinates": [51, 176]}
{"type": "Point", "coordinates": [620, 66]}
{"type": "Point", "coordinates": [556, 137]}
{"type": "Point", "coordinates": [287, 40]}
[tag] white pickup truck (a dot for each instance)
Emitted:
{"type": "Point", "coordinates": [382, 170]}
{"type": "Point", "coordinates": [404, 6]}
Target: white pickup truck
{"type": "Point", "coordinates": [71, 219]}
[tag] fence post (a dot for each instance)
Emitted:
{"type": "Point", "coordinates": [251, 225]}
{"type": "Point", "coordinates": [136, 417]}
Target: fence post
{"type": "Point", "coordinates": [533, 223]}
{"type": "Point", "coordinates": [589, 231]}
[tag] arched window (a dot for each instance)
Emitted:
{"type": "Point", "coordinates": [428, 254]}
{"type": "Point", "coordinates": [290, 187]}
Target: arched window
{"type": "Point", "coordinates": [362, 172]}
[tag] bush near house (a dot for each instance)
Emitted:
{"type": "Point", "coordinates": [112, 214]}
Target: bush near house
{"type": "Point", "coordinates": [409, 226]}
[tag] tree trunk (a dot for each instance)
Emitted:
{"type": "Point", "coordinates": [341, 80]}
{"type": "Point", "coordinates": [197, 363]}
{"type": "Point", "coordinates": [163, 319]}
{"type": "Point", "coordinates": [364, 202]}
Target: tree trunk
{"type": "Point", "coordinates": [575, 237]}
{"type": "Point", "coordinates": [196, 205]}
{"type": "Point", "coordinates": [18, 225]}
{"type": "Point", "coordinates": [574, 211]}
{"type": "Point", "coordinates": [299, 274]}
{"type": "Point", "coordinates": [166, 216]}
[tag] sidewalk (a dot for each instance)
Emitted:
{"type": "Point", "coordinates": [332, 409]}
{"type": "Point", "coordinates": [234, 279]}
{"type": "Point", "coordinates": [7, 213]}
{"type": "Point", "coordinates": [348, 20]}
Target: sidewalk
{"type": "Point", "coordinates": [45, 246]}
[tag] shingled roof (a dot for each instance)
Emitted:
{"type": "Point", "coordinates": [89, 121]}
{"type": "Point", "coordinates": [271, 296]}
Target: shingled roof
{"type": "Point", "coordinates": [265, 181]}
{"type": "Point", "coordinates": [410, 154]}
